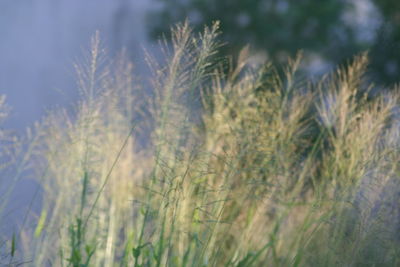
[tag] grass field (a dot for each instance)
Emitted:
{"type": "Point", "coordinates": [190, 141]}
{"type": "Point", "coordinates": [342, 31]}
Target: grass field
{"type": "Point", "coordinates": [222, 163]}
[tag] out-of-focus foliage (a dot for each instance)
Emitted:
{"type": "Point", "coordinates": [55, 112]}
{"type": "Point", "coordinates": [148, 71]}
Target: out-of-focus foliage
{"type": "Point", "coordinates": [385, 54]}
{"type": "Point", "coordinates": [282, 27]}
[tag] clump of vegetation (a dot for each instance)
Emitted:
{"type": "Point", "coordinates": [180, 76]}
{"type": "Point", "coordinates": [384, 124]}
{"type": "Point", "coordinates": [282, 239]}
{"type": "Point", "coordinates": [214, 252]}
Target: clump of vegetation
{"type": "Point", "coordinates": [222, 164]}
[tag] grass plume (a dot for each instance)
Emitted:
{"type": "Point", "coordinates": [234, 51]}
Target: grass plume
{"type": "Point", "coordinates": [242, 164]}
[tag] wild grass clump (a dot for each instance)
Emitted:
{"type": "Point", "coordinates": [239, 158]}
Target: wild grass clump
{"type": "Point", "coordinates": [221, 164]}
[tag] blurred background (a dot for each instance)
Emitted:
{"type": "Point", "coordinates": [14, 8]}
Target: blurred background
{"type": "Point", "coordinates": [329, 32]}
{"type": "Point", "coordinates": [40, 40]}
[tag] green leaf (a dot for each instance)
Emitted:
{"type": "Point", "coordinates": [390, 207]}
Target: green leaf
{"type": "Point", "coordinates": [136, 252]}
{"type": "Point", "coordinates": [41, 222]}
{"type": "Point", "coordinates": [251, 257]}
{"type": "Point", "coordinates": [13, 245]}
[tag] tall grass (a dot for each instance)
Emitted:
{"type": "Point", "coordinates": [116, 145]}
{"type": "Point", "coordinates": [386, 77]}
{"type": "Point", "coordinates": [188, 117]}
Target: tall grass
{"type": "Point", "coordinates": [221, 164]}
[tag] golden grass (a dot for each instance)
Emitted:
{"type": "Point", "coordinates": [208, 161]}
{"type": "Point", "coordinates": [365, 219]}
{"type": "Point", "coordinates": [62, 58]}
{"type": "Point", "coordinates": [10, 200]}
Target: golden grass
{"type": "Point", "coordinates": [272, 170]}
